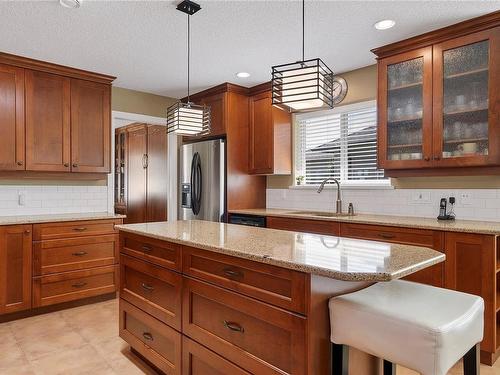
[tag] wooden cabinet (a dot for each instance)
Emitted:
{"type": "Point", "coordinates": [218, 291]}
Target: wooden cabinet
{"type": "Point", "coordinates": [141, 173]}
{"type": "Point", "coordinates": [198, 360]}
{"type": "Point", "coordinates": [433, 275]}
{"type": "Point", "coordinates": [234, 325]}
{"type": "Point", "coordinates": [437, 100]}
{"type": "Point", "coordinates": [53, 118]}
{"type": "Point", "coordinates": [270, 147]}
{"type": "Point", "coordinates": [12, 142]}
{"type": "Point", "coordinates": [218, 113]}
{"type": "Point", "coordinates": [157, 342]}
{"type": "Point", "coordinates": [90, 126]}
{"type": "Point", "coordinates": [471, 264]}
{"type": "Point", "coordinates": [15, 268]}
{"type": "Point", "coordinates": [48, 126]}
{"type": "Point", "coordinates": [330, 228]}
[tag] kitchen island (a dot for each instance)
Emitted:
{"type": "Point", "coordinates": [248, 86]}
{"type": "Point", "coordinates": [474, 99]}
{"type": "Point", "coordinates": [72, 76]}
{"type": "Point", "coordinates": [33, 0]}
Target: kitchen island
{"type": "Point", "coordinates": [206, 297]}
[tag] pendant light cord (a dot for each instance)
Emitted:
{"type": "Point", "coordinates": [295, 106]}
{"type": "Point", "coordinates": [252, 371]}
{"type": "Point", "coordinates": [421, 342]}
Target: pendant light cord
{"type": "Point", "coordinates": [303, 27]}
{"type": "Point", "coordinates": [188, 52]}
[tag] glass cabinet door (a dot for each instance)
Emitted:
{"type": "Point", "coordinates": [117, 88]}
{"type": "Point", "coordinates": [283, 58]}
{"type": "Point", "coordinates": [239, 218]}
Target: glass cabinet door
{"type": "Point", "coordinates": [406, 114]}
{"type": "Point", "coordinates": [464, 131]}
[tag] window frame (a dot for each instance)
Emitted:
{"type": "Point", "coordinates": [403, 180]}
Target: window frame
{"type": "Point", "coordinates": [367, 184]}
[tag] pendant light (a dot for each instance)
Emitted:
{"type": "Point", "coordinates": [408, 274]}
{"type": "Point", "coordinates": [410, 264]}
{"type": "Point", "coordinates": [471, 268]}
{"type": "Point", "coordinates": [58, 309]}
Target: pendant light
{"type": "Point", "coordinates": [302, 86]}
{"type": "Point", "coordinates": [188, 118]}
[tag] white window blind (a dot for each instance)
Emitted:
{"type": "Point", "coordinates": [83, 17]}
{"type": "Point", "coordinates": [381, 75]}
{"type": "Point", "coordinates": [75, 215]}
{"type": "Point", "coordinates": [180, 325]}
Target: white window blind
{"type": "Point", "coordinates": [339, 143]}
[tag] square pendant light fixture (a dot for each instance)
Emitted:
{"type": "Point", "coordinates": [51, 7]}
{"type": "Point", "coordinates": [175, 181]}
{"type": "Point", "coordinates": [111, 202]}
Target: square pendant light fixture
{"type": "Point", "coordinates": [302, 86]}
{"type": "Point", "coordinates": [188, 118]}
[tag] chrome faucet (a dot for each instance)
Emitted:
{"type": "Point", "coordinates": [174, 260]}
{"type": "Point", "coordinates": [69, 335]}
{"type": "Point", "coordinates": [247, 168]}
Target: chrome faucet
{"type": "Point", "coordinates": [338, 208]}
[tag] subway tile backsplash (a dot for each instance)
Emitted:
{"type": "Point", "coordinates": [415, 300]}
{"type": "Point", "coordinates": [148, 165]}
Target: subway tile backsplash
{"type": "Point", "coordinates": [471, 204]}
{"type": "Point", "coordinates": [40, 200]}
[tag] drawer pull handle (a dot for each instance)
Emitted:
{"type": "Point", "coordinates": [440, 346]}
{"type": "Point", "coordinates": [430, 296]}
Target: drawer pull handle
{"type": "Point", "coordinates": [232, 273]}
{"type": "Point", "coordinates": [147, 248]}
{"type": "Point", "coordinates": [79, 253]}
{"type": "Point", "coordinates": [233, 326]}
{"type": "Point", "coordinates": [147, 287]}
{"type": "Point", "coordinates": [148, 336]}
{"type": "Point", "coordinates": [79, 285]}
{"type": "Point", "coordinates": [80, 229]}
{"type": "Point", "coordinates": [386, 235]}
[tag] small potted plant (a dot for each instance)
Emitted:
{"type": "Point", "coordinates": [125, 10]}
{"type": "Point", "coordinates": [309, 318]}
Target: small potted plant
{"type": "Point", "coordinates": [299, 180]}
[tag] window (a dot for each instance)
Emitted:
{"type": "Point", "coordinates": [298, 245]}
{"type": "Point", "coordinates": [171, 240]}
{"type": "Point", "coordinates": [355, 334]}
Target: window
{"type": "Point", "coordinates": [339, 143]}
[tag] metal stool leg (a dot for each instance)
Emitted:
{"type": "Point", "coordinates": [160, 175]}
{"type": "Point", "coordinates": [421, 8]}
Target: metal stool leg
{"type": "Point", "coordinates": [471, 361]}
{"type": "Point", "coordinates": [389, 368]}
{"type": "Point", "coordinates": [340, 359]}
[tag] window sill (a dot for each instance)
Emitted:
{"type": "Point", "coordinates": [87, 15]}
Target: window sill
{"type": "Point", "coordinates": [384, 186]}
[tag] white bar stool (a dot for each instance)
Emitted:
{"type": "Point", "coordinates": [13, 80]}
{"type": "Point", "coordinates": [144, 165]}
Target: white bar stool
{"type": "Point", "coordinates": [423, 328]}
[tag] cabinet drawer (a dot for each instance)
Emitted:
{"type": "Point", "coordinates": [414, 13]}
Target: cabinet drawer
{"type": "Point", "coordinates": [256, 336]}
{"type": "Point", "coordinates": [162, 253]}
{"type": "Point", "coordinates": [198, 360]}
{"type": "Point", "coordinates": [153, 289]}
{"type": "Point", "coordinates": [409, 236]}
{"type": "Point", "coordinates": [74, 254]}
{"type": "Point", "coordinates": [330, 228]}
{"type": "Point", "coordinates": [275, 285]}
{"type": "Point", "coordinates": [69, 286]}
{"type": "Point", "coordinates": [50, 231]}
{"type": "Point", "coordinates": [157, 342]}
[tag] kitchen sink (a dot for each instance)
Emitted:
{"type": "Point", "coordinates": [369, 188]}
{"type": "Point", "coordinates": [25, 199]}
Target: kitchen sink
{"type": "Point", "coordinates": [318, 213]}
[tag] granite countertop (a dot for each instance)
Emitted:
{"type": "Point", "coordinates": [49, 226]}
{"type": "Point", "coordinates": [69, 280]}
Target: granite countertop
{"type": "Point", "coordinates": [52, 218]}
{"type": "Point", "coordinates": [466, 226]}
{"type": "Point", "coordinates": [334, 257]}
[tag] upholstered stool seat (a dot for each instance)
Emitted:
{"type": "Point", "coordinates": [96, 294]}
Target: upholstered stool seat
{"type": "Point", "coordinates": [424, 328]}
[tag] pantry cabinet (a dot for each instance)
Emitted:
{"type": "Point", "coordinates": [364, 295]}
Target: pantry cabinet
{"type": "Point", "coordinates": [438, 106]}
{"type": "Point", "coordinates": [53, 118]}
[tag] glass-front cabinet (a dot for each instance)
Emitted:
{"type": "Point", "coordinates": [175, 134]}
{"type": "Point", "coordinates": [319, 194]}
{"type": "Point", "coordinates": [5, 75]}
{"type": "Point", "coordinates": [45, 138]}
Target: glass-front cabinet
{"type": "Point", "coordinates": [439, 106]}
{"type": "Point", "coordinates": [405, 94]}
{"type": "Point", "coordinates": [120, 155]}
{"type": "Point", "coordinates": [466, 103]}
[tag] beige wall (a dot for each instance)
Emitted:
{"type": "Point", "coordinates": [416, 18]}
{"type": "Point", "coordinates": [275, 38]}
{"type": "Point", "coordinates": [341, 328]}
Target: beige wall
{"type": "Point", "coordinates": [132, 101]}
{"type": "Point", "coordinates": [362, 86]}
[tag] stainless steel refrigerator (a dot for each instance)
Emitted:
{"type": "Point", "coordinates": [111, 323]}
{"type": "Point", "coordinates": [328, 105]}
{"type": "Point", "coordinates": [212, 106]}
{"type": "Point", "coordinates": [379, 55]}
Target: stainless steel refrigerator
{"type": "Point", "coordinates": [202, 181]}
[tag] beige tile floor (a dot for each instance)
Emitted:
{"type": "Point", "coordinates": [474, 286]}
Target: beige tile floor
{"type": "Point", "coordinates": [84, 341]}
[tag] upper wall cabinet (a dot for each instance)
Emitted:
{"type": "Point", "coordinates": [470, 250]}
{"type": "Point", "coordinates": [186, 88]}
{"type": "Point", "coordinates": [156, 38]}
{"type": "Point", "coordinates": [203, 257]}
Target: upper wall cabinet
{"type": "Point", "coordinates": [218, 103]}
{"type": "Point", "coordinates": [48, 129]}
{"type": "Point", "coordinates": [270, 148]}
{"type": "Point", "coordinates": [438, 99]}
{"type": "Point", "coordinates": [11, 118]}
{"type": "Point", "coordinates": [90, 126]}
{"type": "Point", "coordinates": [53, 118]}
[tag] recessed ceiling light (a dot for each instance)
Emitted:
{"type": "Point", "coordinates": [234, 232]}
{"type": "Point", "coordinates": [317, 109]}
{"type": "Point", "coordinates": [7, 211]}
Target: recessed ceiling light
{"type": "Point", "coordinates": [70, 3]}
{"type": "Point", "coordinates": [242, 75]}
{"type": "Point", "coordinates": [384, 24]}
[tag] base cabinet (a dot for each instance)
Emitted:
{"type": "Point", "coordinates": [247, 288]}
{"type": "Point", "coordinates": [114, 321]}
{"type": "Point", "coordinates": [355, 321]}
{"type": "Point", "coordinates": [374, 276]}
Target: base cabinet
{"type": "Point", "coordinates": [15, 268]}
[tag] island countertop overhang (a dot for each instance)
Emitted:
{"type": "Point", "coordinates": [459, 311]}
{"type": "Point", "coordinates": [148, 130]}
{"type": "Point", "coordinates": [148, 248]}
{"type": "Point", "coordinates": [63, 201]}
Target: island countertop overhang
{"type": "Point", "coordinates": [338, 258]}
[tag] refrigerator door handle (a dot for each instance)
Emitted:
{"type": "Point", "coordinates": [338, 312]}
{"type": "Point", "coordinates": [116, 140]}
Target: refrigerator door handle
{"type": "Point", "coordinates": [196, 184]}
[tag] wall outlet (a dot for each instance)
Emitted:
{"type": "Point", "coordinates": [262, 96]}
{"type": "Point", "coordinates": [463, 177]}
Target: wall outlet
{"type": "Point", "coordinates": [421, 197]}
{"type": "Point", "coordinates": [465, 199]}
{"type": "Point", "coordinates": [21, 199]}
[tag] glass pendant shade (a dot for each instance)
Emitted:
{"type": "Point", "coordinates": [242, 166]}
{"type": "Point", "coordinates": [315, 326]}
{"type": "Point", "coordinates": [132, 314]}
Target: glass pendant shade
{"type": "Point", "coordinates": [302, 86]}
{"type": "Point", "coordinates": [188, 119]}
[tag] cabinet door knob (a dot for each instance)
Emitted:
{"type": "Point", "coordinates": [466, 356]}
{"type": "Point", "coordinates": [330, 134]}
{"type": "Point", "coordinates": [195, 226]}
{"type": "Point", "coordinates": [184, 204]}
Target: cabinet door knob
{"type": "Point", "coordinates": [75, 165]}
{"type": "Point", "coordinates": [427, 158]}
{"type": "Point", "coordinates": [20, 162]}
{"type": "Point", "coordinates": [66, 165]}
{"type": "Point", "coordinates": [27, 231]}
{"type": "Point", "coordinates": [437, 157]}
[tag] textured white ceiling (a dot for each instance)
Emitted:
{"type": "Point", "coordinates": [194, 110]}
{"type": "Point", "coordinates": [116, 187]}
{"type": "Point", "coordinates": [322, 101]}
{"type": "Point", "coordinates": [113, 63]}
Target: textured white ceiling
{"type": "Point", "coordinates": [143, 43]}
